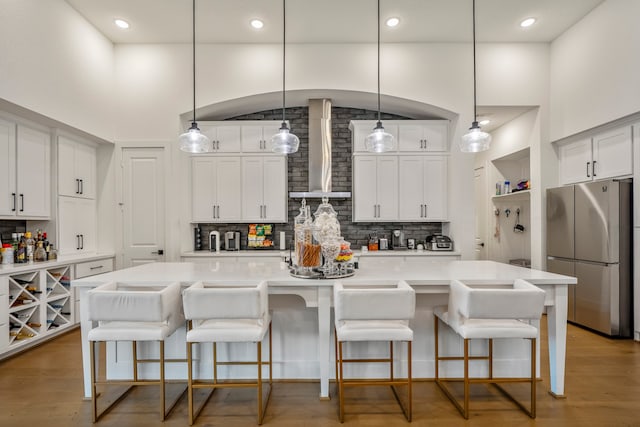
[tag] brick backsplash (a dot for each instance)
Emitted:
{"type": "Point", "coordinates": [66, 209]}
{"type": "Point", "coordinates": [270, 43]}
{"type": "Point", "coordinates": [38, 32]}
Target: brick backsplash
{"type": "Point", "coordinates": [11, 226]}
{"type": "Point", "coordinates": [355, 232]}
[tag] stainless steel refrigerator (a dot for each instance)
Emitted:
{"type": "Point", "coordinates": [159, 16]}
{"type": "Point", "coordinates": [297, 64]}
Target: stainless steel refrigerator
{"type": "Point", "coordinates": [589, 236]}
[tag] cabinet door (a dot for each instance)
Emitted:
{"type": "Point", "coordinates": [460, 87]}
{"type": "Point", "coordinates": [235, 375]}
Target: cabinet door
{"type": "Point", "coordinates": [68, 234]}
{"type": "Point", "coordinates": [252, 188]}
{"type": "Point", "coordinates": [68, 184]}
{"type": "Point", "coordinates": [34, 177]}
{"type": "Point", "coordinates": [86, 170]}
{"type": "Point", "coordinates": [435, 188]}
{"type": "Point", "coordinates": [8, 196]}
{"type": "Point", "coordinates": [365, 188]}
{"type": "Point", "coordinates": [410, 137]}
{"type": "Point", "coordinates": [360, 130]}
{"type": "Point", "coordinates": [203, 188]}
{"type": "Point", "coordinates": [411, 189]}
{"type": "Point", "coordinates": [275, 189]}
{"type": "Point", "coordinates": [387, 178]}
{"type": "Point", "coordinates": [228, 139]}
{"type": "Point", "coordinates": [575, 162]}
{"type": "Point", "coordinates": [252, 139]}
{"type": "Point", "coordinates": [436, 135]}
{"type": "Point", "coordinates": [613, 154]}
{"type": "Point", "coordinates": [228, 187]}
{"type": "Point", "coordinates": [85, 221]}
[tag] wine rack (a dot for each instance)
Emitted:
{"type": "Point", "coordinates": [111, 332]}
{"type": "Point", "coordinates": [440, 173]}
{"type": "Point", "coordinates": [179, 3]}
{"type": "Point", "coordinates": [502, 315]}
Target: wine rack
{"type": "Point", "coordinates": [58, 282]}
{"type": "Point", "coordinates": [25, 293]}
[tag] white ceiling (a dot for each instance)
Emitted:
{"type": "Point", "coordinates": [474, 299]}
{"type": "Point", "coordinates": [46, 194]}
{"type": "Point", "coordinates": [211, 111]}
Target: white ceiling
{"type": "Point", "coordinates": [332, 21]}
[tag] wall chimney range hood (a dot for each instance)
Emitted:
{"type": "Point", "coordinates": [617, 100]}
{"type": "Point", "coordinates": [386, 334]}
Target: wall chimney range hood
{"type": "Point", "coordinates": [320, 153]}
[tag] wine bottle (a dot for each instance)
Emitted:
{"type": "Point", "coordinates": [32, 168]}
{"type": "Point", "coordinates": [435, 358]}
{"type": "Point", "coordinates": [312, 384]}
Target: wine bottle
{"type": "Point", "coordinates": [22, 281]}
{"type": "Point", "coordinates": [33, 290]}
{"type": "Point", "coordinates": [33, 324]}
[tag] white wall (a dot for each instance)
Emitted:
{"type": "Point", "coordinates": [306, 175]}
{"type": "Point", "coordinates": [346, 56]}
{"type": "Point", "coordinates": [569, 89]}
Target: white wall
{"type": "Point", "coordinates": [594, 69]}
{"type": "Point", "coordinates": [55, 63]}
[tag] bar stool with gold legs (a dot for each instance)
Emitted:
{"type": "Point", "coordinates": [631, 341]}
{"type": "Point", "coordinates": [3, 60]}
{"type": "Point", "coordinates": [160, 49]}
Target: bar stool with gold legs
{"type": "Point", "coordinates": [490, 313]}
{"type": "Point", "coordinates": [130, 312]}
{"type": "Point", "coordinates": [374, 313]}
{"type": "Point", "coordinates": [229, 314]}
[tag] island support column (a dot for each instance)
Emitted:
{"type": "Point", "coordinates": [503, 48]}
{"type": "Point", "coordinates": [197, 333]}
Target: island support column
{"type": "Point", "coordinates": [324, 338]}
{"type": "Point", "coordinates": [557, 331]}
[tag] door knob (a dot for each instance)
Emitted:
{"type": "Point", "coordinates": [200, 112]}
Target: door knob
{"type": "Point", "coordinates": [158, 252]}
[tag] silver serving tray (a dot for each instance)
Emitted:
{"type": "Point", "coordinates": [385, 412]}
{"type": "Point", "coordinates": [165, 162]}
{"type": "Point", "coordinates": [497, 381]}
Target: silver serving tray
{"type": "Point", "coordinates": [320, 275]}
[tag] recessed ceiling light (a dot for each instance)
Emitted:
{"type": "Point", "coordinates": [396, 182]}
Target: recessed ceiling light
{"type": "Point", "coordinates": [121, 23]}
{"type": "Point", "coordinates": [257, 24]}
{"type": "Point", "coordinates": [392, 22]}
{"type": "Point", "coordinates": [484, 122]}
{"type": "Point", "coordinates": [528, 22]}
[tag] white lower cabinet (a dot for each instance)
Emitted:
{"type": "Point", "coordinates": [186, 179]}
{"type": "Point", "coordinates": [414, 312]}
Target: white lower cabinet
{"type": "Point", "coordinates": [423, 188]}
{"type": "Point", "coordinates": [264, 184]}
{"type": "Point", "coordinates": [76, 225]}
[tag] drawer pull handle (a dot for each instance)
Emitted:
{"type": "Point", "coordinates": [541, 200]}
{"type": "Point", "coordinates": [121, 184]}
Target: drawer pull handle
{"type": "Point", "coordinates": [96, 267]}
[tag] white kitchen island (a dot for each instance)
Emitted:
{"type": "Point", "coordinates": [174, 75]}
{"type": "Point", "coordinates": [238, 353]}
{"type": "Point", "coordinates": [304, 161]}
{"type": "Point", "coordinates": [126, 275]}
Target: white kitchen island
{"type": "Point", "coordinates": [302, 320]}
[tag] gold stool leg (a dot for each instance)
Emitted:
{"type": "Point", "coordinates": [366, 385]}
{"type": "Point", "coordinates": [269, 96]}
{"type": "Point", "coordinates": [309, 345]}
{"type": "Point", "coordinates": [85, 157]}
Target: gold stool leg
{"type": "Point", "coordinates": [270, 356]}
{"type": "Point", "coordinates": [533, 378]}
{"type": "Point", "coordinates": [190, 381]}
{"type": "Point", "coordinates": [410, 385]}
{"type": "Point", "coordinates": [134, 353]}
{"type": "Point", "coordinates": [215, 363]}
{"type": "Point", "coordinates": [260, 413]}
{"type": "Point", "coordinates": [436, 348]}
{"type": "Point", "coordinates": [335, 349]}
{"type": "Point", "coordinates": [391, 360]}
{"type": "Point", "coordinates": [466, 379]}
{"type": "Point", "coordinates": [340, 383]}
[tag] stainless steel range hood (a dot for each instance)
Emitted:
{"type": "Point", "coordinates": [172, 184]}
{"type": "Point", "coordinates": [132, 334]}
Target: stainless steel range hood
{"type": "Point", "coordinates": [320, 153]}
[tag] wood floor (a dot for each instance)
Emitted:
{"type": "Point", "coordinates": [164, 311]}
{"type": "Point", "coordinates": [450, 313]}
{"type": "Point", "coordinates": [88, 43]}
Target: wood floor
{"type": "Point", "coordinates": [43, 387]}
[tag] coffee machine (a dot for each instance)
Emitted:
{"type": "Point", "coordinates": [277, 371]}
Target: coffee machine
{"type": "Point", "coordinates": [398, 242]}
{"type": "Point", "coordinates": [214, 241]}
{"type": "Point", "coordinates": [232, 240]}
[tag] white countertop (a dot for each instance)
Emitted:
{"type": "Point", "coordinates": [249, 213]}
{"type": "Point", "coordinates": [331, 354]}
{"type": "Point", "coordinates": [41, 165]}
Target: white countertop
{"type": "Point", "coordinates": [274, 252]}
{"type": "Point", "coordinates": [432, 272]}
{"type": "Point", "coordinates": [62, 260]}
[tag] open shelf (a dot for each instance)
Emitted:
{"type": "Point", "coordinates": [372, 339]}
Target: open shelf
{"type": "Point", "coordinates": [518, 195]}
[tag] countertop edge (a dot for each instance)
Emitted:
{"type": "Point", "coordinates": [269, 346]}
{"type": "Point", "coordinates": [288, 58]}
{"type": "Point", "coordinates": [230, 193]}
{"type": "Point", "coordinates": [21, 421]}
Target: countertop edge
{"type": "Point", "coordinates": [62, 260]}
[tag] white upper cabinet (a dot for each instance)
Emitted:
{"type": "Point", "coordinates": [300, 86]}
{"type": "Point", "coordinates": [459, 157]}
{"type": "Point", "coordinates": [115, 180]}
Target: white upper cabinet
{"type": "Point", "coordinates": [77, 228]}
{"type": "Point", "coordinates": [256, 137]}
{"type": "Point", "coordinates": [25, 161]}
{"type": "Point", "coordinates": [225, 136]}
{"type": "Point", "coordinates": [423, 188]}
{"type": "Point", "coordinates": [423, 136]}
{"type": "Point", "coordinates": [375, 188]}
{"type": "Point", "coordinates": [606, 155]}
{"type": "Point", "coordinates": [215, 189]}
{"type": "Point", "coordinates": [409, 135]}
{"type": "Point", "coordinates": [76, 169]}
{"type": "Point", "coordinates": [8, 195]}
{"type": "Point", "coordinates": [264, 185]}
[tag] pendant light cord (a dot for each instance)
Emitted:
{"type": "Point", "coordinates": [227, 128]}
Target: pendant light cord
{"type": "Point", "coordinates": [194, 58]}
{"type": "Point", "coordinates": [378, 61]}
{"type": "Point", "coordinates": [475, 114]}
{"type": "Point", "coordinates": [284, 33]}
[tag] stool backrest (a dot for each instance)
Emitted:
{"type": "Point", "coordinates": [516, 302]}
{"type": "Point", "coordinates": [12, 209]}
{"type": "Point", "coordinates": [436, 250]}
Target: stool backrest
{"type": "Point", "coordinates": [521, 301]}
{"type": "Point", "coordinates": [213, 301]}
{"type": "Point", "coordinates": [134, 302]}
{"type": "Point", "coordinates": [371, 302]}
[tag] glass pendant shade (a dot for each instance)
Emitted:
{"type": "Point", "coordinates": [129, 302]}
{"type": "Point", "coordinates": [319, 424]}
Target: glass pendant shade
{"type": "Point", "coordinates": [193, 141]}
{"type": "Point", "coordinates": [475, 140]}
{"type": "Point", "coordinates": [284, 142]}
{"type": "Point", "coordinates": [378, 141]}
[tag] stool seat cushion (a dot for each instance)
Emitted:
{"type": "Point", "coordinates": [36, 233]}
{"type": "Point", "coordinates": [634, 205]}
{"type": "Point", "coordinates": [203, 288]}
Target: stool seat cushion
{"type": "Point", "coordinates": [229, 330]}
{"type": "Point", "coordinates": [130, 331]}
{"type": "Point", "coordinates": [489, 328]}
{"type": "Point", "coordinates": [374, 330]}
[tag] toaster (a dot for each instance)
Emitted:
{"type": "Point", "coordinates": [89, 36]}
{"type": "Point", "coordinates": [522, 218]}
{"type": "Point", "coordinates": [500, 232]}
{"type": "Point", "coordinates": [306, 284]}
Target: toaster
{"type": "Point", "coordinates": [438, 242]}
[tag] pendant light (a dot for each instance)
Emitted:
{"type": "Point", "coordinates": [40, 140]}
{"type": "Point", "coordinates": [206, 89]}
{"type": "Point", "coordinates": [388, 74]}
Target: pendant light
{"type": "Point", "coordinates": [284, 142]}
{"type": "Point", "coordinates": [476, 139]}
{"type": "Point", "coordinates": [192, 141]}
{"type": "Point", "coordinates": [379, 141]}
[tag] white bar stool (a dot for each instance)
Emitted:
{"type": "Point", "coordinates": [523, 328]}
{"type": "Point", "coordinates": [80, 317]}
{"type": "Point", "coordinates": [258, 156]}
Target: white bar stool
{"type": "Point", "coordinates": [490, 313]}
{"type": "Point", "coordinates": [231, 314]}
{"type": "Point", "coordinates": [134, 312]}
{"type": "Point", "coordinates": [373, 313]}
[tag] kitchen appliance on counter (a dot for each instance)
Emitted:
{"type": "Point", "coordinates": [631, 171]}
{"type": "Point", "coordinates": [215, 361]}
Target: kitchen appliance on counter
{"type": "Point", "coordinates": [232, 241]}
{"type": "Point", "coordinates": [439, 242]}
{"type": "Point", "coordinates": [398, 242]}
{"type": "Point", "coordinates": [214, 241]}
{"type": "Point", "coordinates": [589, 237]}
{"type": "Point", "coordinates": [383, 243]}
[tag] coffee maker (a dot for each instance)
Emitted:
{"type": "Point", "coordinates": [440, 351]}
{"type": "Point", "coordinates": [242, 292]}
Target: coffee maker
{"type": "Point", "coordinates": [398, 242]}
{"type": "Point", "coordinates": [214, 241]}
{"type": "Point", "coordinates": [232, 240]}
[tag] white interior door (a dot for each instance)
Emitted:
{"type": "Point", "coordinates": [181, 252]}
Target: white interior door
{"type": "Point", "coordinates": [143, 207]}
{"type": "Point", "coordinates": [481, 203]}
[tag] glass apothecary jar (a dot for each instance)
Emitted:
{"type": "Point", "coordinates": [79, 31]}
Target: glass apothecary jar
{"type": "Point", "coordinates": [326, 222]}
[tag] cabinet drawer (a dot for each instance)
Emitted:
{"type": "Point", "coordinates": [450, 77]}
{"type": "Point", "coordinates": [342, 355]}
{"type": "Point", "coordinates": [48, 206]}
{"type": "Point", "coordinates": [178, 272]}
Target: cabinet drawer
{"type": "Point", "coordinates": [91, 268]}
